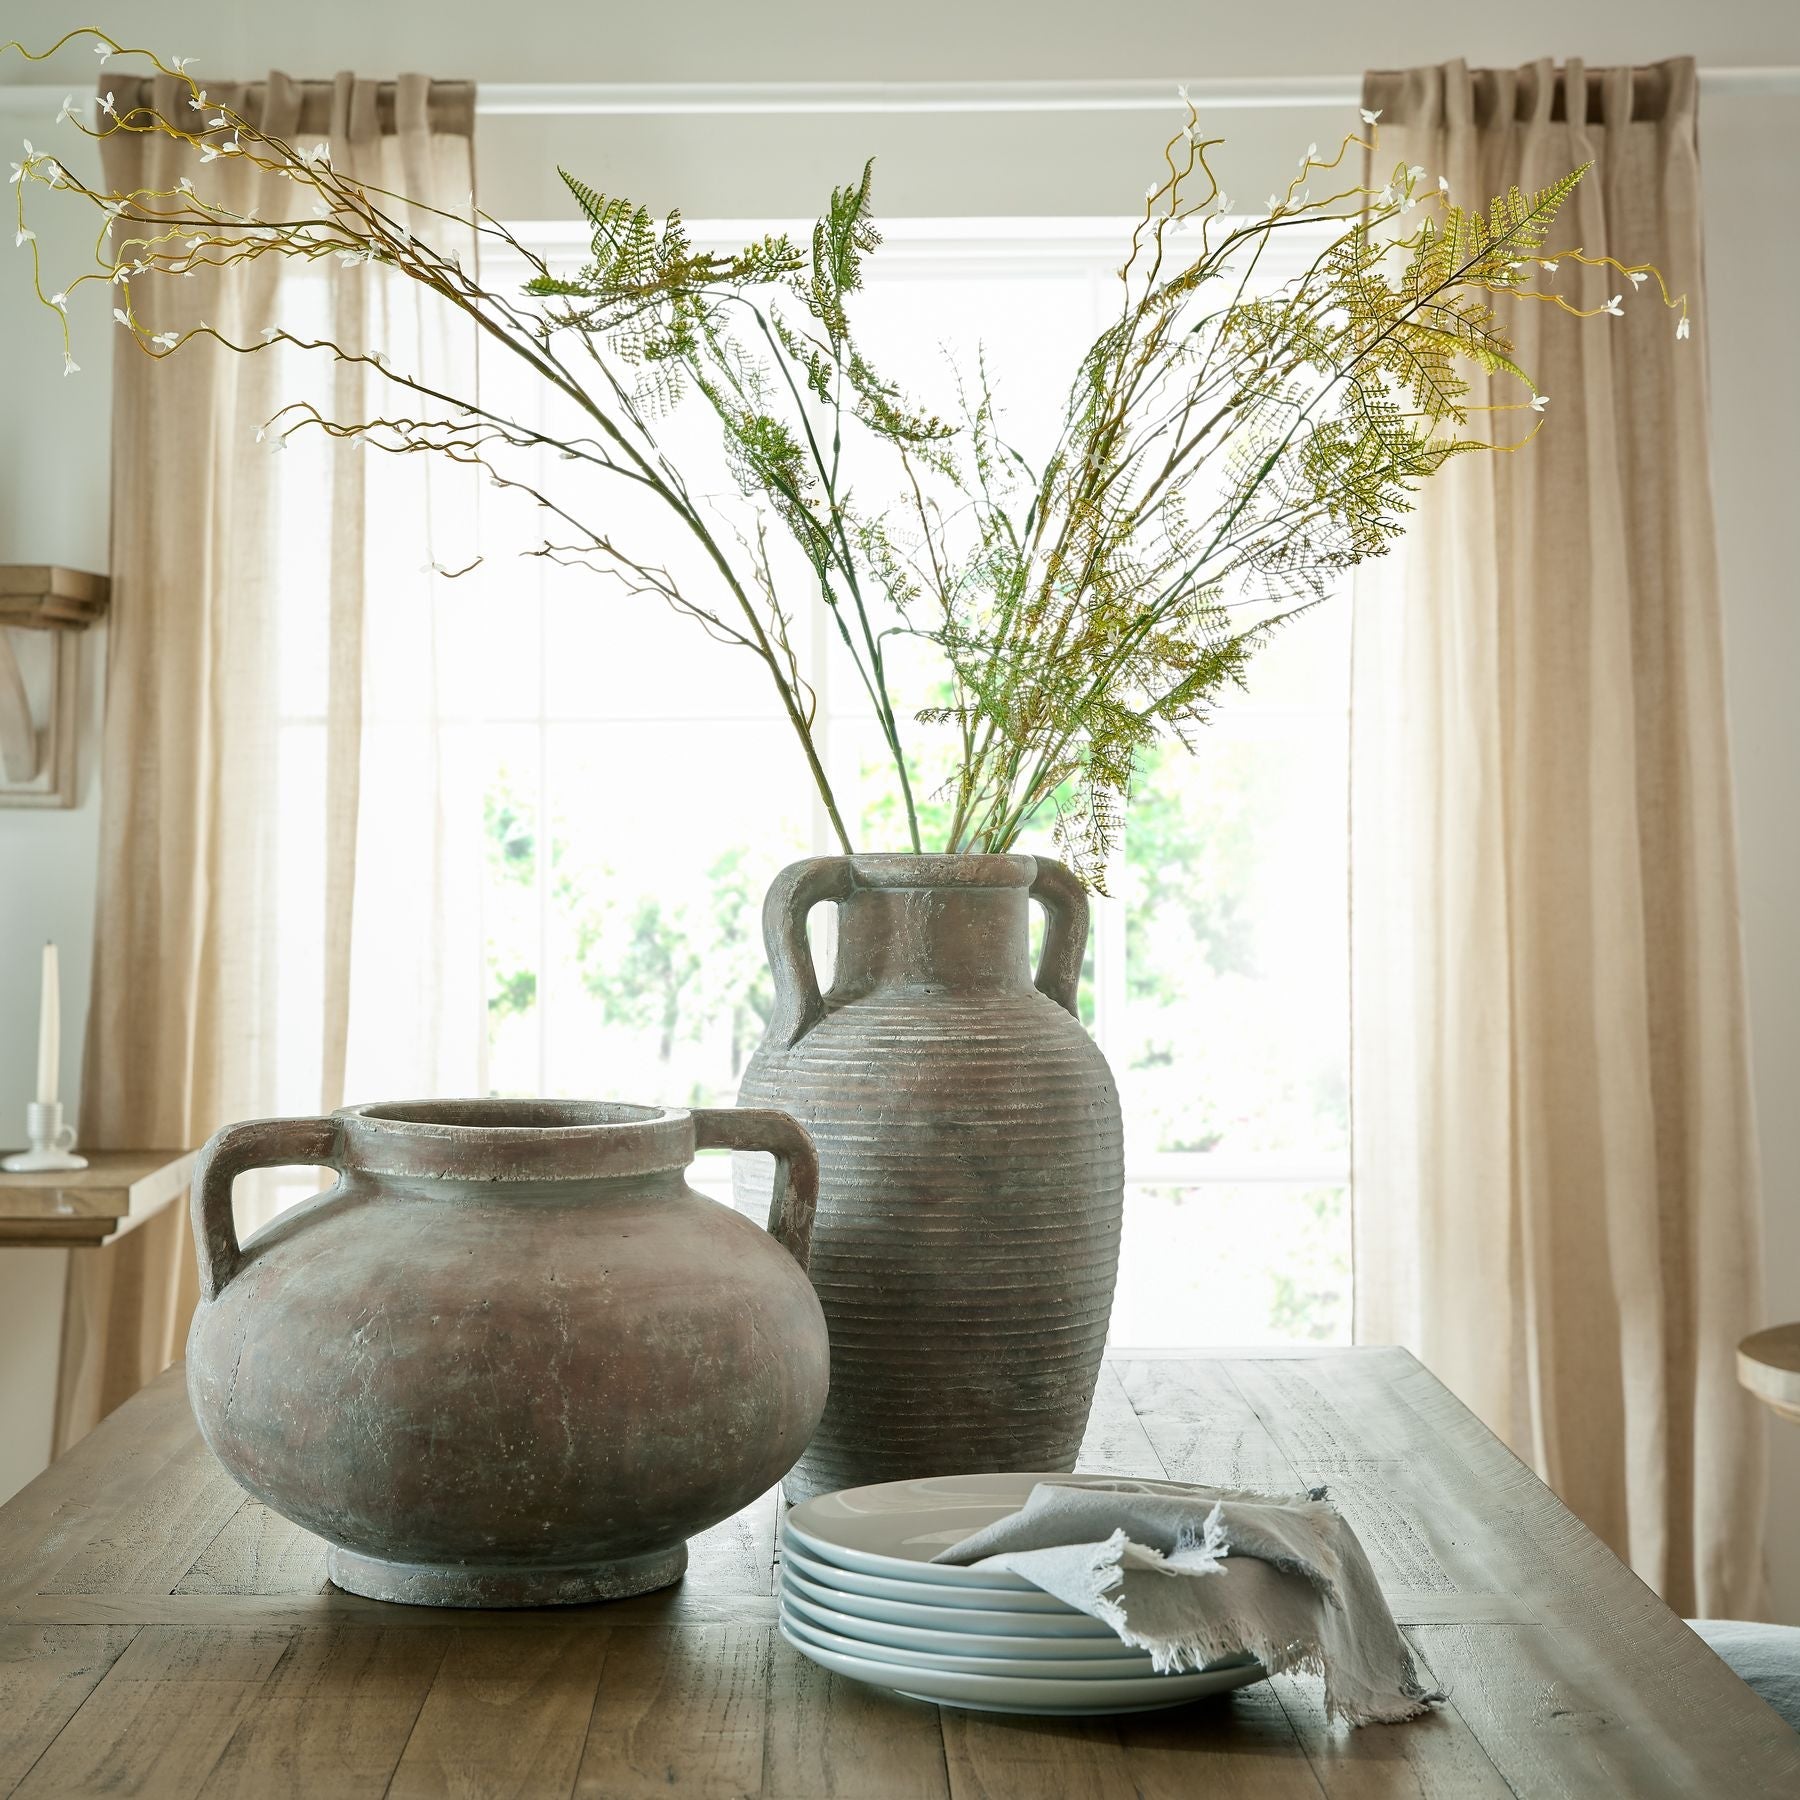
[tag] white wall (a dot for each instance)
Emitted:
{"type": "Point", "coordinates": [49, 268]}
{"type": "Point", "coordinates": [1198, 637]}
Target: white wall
{"type": "Point", "coordinates": [53, 495]}
{"type": "Point", "coordinates": [52, 454]}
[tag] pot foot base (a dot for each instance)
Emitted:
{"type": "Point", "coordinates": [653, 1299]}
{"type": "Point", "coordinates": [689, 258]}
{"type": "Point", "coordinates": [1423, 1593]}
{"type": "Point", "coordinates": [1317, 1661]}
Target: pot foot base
{"type": "Point", "coordinates": [504, 1584]}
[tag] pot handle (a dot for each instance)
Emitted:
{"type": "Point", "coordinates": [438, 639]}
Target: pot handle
{"type": "Point", "coordinates": [234, 1151]}
{"type": "Point", "coordinates": [796, 1195]}
{"type": "Point", "coordinates": [792, 896]}
{"type": "Point", "coordinates": [1058, 890]}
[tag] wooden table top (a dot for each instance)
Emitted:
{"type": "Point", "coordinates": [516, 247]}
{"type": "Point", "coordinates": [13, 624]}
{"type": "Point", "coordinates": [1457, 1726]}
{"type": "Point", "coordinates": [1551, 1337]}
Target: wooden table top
{"type": "Point", "coordinates": [161, 1634]}
{"type": "Point", "coordinates": [117, 1190]}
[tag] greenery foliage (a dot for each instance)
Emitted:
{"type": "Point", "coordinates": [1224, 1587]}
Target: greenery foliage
{"type": "Point", "coordinates": [1223, 453]}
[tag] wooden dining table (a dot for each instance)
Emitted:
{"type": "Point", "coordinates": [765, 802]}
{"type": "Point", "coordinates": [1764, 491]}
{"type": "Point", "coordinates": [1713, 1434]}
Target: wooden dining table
{"type": "Point", "coordinates": [163, 1634]}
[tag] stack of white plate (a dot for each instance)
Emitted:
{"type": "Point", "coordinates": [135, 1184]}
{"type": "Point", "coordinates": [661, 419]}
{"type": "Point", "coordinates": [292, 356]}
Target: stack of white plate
{"type": "Point", "coordinates": [861, 1596]}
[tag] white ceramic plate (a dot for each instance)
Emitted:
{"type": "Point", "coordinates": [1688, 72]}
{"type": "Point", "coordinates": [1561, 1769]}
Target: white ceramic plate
{"type": "Point", "coordinates": [1069, 1624]}
{"type": "Point", "coordinates": [1108, 1668]}
{"type": "Point", "coordinates": [895, 1528]}
{"type": "Point", "coordinates": [878, 1636]}
{"type": "Point", "coordinates": [919, 1593]}
{"type": "Point", "coordinates": [1020, 1694]}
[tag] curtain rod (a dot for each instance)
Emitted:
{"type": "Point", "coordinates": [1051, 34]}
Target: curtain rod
{"type": "Point", "coordinates": [1254, 93]}
{"type": "Point", "coordinates": [726, 99]}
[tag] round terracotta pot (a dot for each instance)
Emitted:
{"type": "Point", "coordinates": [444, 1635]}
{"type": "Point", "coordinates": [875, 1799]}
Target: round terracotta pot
{"type": "Point", "coordinates": [511, 1358]}
{"type": "Point", "coordinates": [971, 1169]}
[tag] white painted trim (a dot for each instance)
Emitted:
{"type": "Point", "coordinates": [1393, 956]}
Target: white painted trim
{"type": "Point", "coordinates": [787, 98]}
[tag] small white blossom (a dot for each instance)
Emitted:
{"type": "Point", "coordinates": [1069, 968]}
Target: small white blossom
{"type": "Point", "coordinates": [1612, 306]}
{"type": "Point", "coordinates": [1369, 118]}
{"type": "Point", "coordinates": [1274, 204]}
{"type": "Point", "coordinates": [1681, 327]}
{"type": "Point", "coordinates": [167, 340]}
{"type": "Point", "coordinates": [1539, 402]}
{"type": "Point", "coordinates": [121, 275]}
{"type": "Point", "coordinates": [1636, 277]}
{"type": "Point", "coordinates": [70, 365]}
{"type": "Point", "coordinates": [1549, 264]}
{"type": "Point", "coordinates": [208, 153]}
{"type": "Point", "coordinates": [1416, 172]}
{"type": "Point", "coordinates": [184, 186]}
{"type": "Point", "coordinates": [1443, 184]}
{"type": "Point", "coordinates": [1181, 92]}
{"type": "Point", "coordinates": [60, 300]}
{"type": "Point", "coordinates": [104, 52]}
{"type": "Point", "coordinates": [1224, 203]}
{"type": "Point", "coordinates": [120, 314]}
{"type": "Point", "coordinates": [23, 236]}
{"type": "Point", "coordinates": [19, 168]}
{"type": "Point", "coordinates": [68, 113]}
{"type": "Point", "coordinates": [270, 333]}
{"type": "Point", "coordinates": [107, 107]}
{"type": "Point", "coordinates": [181, 64]}
{"type": "Point", "coordinates": [220, 123]}
{"type": "Point", "coordinates": [1312, 150]}
{"type": "Point", "coordinates": [197, 101]}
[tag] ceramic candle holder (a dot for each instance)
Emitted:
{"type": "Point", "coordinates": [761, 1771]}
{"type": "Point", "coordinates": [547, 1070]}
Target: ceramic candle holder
{"type": "Point", "coordinates": [49, 1139]}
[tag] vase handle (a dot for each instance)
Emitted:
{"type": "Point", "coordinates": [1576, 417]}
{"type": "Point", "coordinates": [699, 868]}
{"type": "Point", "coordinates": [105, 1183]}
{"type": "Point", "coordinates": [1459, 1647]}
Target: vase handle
{"type": "Point", "coordinates": [792, 896]}
{"type": "Point", "coordinates": [234, 1151]}
{"type": "Point", "coordinates": [795, 1197]}
{"type": "Point", "coordinates": [1058, 890]}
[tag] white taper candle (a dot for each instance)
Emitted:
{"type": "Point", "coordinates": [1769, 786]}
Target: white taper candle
{"type": "Point", "coordinates": [49, 1030]}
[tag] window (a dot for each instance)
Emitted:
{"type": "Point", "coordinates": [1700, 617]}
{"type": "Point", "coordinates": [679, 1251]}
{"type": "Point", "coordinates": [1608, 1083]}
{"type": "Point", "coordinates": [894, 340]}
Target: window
{"type": "Point", "coordinates": [636, 788]}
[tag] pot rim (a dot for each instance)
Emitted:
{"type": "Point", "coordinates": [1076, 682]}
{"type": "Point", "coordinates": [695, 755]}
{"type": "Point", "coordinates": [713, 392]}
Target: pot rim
{"type": "Point", "coordinates": [515, 1139]}
{"type": "Point", "coordinates": [941, 868]}
{"type": "Point", "coordinates": [460, 1117]}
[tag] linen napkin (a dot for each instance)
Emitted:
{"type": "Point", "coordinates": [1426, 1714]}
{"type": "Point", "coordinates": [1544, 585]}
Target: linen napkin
{"type": "Point", "coordinates": [1195, 1575]}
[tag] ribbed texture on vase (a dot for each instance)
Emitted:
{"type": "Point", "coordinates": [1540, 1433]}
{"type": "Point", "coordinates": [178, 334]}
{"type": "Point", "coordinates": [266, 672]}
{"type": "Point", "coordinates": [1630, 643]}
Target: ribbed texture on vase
{"type": "Point", "coordinates": [967, 1240]}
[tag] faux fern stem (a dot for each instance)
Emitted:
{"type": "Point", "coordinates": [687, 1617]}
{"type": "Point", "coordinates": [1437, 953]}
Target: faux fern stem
{"type": "Point", "coordinates": [1223, 454]}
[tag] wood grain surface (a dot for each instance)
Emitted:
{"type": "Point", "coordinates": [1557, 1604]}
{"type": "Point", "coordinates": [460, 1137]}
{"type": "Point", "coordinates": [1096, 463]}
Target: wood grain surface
{"type": "Point", "coordinates": [162, 1634]}
{"type": "Point", "coordinates": [116, 1191]}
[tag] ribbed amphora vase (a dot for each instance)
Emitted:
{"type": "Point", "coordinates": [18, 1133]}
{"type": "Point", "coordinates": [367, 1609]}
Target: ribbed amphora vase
{"type": "Point", "coordinates": [971, 1169]}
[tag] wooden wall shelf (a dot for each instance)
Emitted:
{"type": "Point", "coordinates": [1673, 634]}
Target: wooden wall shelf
{"type": "Point", "coordinates": [40, 691]}
{"type": "Point", "coordinates": [40, 597]}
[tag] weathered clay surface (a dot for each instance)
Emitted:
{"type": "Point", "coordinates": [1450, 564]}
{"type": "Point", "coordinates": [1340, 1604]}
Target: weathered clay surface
{"type": "Point", "coordinates": [511, 1358]}
{"type": "Point", "coordinates": [970, 1148]}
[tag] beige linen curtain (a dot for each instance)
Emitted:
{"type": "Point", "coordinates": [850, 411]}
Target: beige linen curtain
{"type": "Point", "coordinates": [273, 851]}
{"type": "Point", "coordinates": [1555, 1168]}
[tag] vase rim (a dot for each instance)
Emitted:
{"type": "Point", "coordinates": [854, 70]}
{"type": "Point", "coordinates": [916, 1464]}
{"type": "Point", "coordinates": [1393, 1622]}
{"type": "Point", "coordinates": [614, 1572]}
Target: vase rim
{"type": "Point", "coordinates": [515, 1139]}
{"type": "Point", "coordinates": [967, 869]}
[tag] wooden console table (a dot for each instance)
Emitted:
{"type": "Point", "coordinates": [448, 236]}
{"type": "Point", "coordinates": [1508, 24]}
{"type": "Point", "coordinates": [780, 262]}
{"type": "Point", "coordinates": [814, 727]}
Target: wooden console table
{"type": "Point", "coordinates": [117, 1190]}
{"type": "Point", "coordinates": [161, 1634]}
